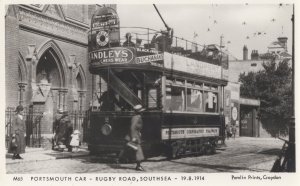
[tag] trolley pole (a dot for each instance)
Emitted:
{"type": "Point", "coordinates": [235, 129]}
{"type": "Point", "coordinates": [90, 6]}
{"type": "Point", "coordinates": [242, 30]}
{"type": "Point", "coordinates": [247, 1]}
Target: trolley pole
{"type": "Point", "coordinates": [292, 165]}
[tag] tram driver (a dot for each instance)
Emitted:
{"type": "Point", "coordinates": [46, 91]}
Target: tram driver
{"type": "Point", "coordinates": [108, 101]}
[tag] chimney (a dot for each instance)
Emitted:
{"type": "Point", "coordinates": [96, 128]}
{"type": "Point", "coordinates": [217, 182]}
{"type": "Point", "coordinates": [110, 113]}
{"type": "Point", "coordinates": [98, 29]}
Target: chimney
{"type": "Point", "coordinates": [283, 42]}
{"type": "Point", "coordinates": [245, 53]}
{"type": "Point", "coordinates": [254, 55]}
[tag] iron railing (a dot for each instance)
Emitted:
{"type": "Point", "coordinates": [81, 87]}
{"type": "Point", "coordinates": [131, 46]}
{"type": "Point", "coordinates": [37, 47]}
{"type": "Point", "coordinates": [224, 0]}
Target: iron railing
{"type": "Point", "coordinates": [32, 122]}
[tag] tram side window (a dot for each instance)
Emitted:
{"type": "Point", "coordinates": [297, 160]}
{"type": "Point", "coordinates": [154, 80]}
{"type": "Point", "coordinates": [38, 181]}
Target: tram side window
{"type": "Point", "coordinates": [194, 100]}
{"type": "Point", "coordinates": [211, 102]}
{"type": "Point", "coordinates": [175, 97]}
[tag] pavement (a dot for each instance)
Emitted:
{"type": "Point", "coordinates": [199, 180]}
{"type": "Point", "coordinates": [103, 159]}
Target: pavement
{"type": "Point", "coordinates": [40, 154]}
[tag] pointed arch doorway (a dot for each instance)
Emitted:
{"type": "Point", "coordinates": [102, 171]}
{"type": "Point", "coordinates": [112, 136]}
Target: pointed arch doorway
{"type": "Point", "coordinates": [51, 90]}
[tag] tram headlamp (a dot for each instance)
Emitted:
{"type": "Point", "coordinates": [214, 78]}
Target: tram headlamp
{"type": "Point", "coordinates": [106, 129]}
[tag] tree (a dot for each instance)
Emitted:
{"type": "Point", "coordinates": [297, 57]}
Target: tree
{"type": "Point", "coordinates": [273, 86]}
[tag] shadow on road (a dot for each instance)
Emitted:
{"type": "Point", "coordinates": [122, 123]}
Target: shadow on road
{"type": "Point", "coordinates": [270, 152]}
{"type": "Point", "coordinates": [221, 168]}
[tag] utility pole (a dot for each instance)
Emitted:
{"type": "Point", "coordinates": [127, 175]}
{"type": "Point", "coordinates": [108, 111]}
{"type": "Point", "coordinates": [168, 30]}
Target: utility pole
{"type": "Point", "coordinates": [292, 165]}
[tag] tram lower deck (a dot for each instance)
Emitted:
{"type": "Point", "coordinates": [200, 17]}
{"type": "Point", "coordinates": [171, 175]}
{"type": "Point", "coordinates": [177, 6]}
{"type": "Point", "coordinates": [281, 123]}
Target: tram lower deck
{"type": "Point", "coordinates": [169, 134]}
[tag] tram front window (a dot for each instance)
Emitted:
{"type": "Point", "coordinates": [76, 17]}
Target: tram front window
{"type": "Point", "coordinates": [128, 88]}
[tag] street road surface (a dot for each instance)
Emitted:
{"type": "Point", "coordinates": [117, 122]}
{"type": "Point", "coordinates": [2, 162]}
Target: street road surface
{"type": "Point", "coordinates": [243, 154]}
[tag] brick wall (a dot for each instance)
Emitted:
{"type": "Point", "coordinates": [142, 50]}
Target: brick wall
{"type": "Point", "coordinates": [11, 61]}
{"type": "Point", "coordinates": [17, 41]}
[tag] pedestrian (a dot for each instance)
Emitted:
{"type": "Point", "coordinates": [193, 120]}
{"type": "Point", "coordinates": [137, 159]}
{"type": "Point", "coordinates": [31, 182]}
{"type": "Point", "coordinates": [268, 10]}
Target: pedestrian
{"type": "Point", "coordinates": [68, 133]}
{"type": "Point", "coordinates": [134, 138]}
{"type": "Point", "coordinates": [56, 128]}
{"type": "Point", "coordinates": [228, 131]}
{"type": "Point", "coordinates": [233, 130]}
{"type": "Point", "coordinates": [18, 133]}
{"type": "Point", "coordinates": [63, 133]}
{"type": "Point", "coordinates": [75, 140]}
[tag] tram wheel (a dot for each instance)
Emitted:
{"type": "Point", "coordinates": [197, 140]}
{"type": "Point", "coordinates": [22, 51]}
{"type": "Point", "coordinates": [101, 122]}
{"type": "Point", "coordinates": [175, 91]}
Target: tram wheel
{"type": "Point", "coordinates": [210, 149]}
{"type": "Point", "coordinates": [203, 150]}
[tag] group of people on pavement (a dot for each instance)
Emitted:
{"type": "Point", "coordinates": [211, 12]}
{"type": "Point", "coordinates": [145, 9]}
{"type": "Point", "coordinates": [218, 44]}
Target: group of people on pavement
{"type": "Point", "coordinates": [65, 137]}
{"type": "Point", "coordinates": [230, 131]}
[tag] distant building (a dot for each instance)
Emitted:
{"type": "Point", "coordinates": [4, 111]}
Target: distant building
{"type": "Point", "coordinates": [245, 53]}
{"type": "Point", "coordinates": [247, 121]}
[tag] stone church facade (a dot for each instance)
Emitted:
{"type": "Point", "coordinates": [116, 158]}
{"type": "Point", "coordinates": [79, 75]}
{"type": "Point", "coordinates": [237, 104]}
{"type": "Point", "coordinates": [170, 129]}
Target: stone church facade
{"type": "Point", "coordinates": [46, 64]}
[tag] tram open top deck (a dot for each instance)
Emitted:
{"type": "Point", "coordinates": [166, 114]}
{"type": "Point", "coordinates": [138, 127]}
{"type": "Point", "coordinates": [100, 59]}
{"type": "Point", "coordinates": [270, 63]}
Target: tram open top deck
{"type": "Point", "coordinates": [115, 47]}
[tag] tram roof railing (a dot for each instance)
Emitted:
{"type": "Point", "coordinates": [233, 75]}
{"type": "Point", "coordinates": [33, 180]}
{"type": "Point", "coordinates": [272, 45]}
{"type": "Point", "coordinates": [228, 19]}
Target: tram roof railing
{"type": "Point", "coordinates": [143, 36]}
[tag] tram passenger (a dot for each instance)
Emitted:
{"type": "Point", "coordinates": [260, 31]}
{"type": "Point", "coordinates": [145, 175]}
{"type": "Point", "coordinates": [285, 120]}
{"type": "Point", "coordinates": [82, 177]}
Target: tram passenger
{"type": "Point", "coordinates": [164, 41]}
{"type": "Point", "coordinates": [134, 137]}
{"type": "Point", "coordinates": [138, 42]}
{"type": "Point", "coordinates": [128, 42]}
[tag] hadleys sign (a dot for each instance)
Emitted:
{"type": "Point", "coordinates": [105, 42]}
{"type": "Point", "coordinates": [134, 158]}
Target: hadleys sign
{"type": "Point", "coordinates": [117, 55]}
{"type": "Point", "coordinates": [177, 133]}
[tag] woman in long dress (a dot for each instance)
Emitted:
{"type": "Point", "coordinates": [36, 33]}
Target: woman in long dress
{"type": "Point", "coordinates": [17, 137]}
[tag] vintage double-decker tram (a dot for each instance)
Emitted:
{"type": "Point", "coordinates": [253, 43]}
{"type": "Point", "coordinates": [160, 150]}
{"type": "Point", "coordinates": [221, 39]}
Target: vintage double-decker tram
{"type": "Point", "coordinates": [182, 94]}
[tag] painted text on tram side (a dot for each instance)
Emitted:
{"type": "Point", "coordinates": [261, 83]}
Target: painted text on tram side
{"type": "Point", "coordinates": [176, 133]}
{"type": "Point", "coordinates": [112, 55]}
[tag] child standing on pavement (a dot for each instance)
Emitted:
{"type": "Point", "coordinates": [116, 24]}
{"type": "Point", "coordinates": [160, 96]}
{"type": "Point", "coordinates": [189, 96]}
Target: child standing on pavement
{"type": "Point", "coordinates": [75, 140]}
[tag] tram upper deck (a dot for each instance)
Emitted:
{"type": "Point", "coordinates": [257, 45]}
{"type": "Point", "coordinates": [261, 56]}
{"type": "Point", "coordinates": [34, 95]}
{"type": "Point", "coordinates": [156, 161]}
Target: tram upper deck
{"type": "Point", "coordinates": [146, 48]}
{"type": "Point", "coordinates": [121, 55]}
{"type": "Point", "coordinates": [111, 45]}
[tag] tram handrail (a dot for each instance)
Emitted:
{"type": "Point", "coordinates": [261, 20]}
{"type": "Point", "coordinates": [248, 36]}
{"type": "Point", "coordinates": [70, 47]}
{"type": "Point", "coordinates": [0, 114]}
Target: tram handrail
{"type": "Point", "coordinates": [159, 31]}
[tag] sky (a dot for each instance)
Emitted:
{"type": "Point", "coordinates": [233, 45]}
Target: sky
{"type": "Point", "coordinates": [253, 25]}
